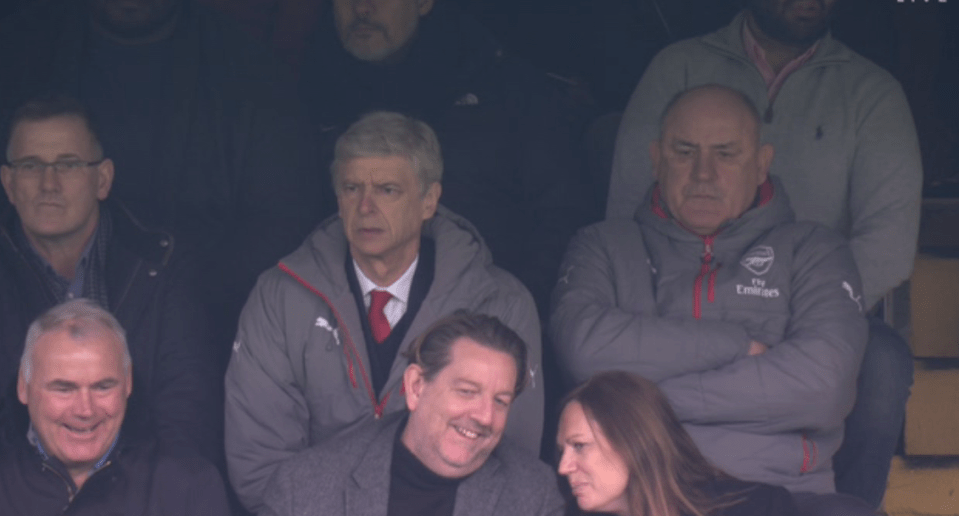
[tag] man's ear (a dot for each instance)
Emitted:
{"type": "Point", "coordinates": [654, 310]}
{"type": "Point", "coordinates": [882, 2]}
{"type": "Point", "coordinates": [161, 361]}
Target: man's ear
{"type": "Point", "coordinates": [431, 199]}
{"type": "Point", "coordinates": [21, 387]}
{"type": "Point", "coordinates": [765, 161]}
{"type": "Point", "coordinates": [423, 7]}
{"type": "Point", "coordinates": [413, 382]}
{"type": "Point", "coordinates": [104, 178]}
{"type": "Point", "coordinates": [6, 177]}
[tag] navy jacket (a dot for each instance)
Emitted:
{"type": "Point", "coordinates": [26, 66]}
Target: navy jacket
{"type": "Point", "coordinates": [138, 478]}
{"type": "Point", "coordinates": [228, 170]}
{"type": "Point", "coordinates": [150, 280]}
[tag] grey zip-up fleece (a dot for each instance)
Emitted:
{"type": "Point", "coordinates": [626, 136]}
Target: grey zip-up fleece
{"type": "Point", "coordinates": [845, 144]}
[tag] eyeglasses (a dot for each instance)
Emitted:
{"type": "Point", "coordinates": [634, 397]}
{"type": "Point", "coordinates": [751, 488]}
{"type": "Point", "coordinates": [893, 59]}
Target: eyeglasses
{"type": "Point", "coordinates": [34, 168]}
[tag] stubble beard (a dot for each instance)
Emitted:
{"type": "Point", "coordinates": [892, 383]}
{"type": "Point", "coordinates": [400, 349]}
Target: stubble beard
{"type": "Point", "coordinates": [794, 33]}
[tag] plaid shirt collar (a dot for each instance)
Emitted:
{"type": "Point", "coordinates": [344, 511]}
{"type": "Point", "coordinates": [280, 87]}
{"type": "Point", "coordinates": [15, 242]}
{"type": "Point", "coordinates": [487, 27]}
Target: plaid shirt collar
{"type": "Point", "coordinates": [89, 280]}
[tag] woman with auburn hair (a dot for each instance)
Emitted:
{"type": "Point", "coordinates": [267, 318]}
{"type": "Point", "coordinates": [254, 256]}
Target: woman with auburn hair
{"type": "Point", "coordinates": [624, 451]}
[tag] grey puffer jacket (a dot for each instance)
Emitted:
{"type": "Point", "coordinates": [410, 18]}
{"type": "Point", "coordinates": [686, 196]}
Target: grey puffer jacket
{"type": "Point", "coordinates": [649, 297]}
{"type": "Point", "coordinates": [846, 146]}
{"type": "Point", "coordinates": [300, 370]}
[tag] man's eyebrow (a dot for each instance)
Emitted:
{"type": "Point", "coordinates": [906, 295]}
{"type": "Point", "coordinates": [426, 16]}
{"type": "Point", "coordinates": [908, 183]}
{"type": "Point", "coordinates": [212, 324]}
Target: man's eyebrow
{"type": "Point", "coordinates": [34, 157]}
{"type": "Point", "coordinates": [677, 142]}
{"type": "Point", "coordinates": [31, 157]}
{"type": "Point", "coordinates": [726, 145]}
{"type": "Point", "coordinates": [106, 383]}
{"type": "Point", "coordinates": [61, 384]}
{"type": "Point", "coordinates": [471, 383]}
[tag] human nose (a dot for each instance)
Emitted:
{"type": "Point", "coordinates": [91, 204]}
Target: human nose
{"type": "Point", "coordinates": [704, 169]}
{"type": "Point", "coordinates": [566, 464]}
{"type": "Point", "coordinates": [483, 413]}
{"type": "Point", "coordinates": [83, 404]}
{"type": "Point", "coordinates": [49, 178]}
{"type": "Point", "coordinates": [363, 8]}
{"type": "Point", "coordinates": [367, 203]}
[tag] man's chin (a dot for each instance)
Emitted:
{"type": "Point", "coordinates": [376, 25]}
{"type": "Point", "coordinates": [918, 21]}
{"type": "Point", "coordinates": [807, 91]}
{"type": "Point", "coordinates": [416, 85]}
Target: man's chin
{"type": "Point", "coordinates": [84, 452]}
{"type": "Point", "coordinates": [803, 32]}
{"type": "Point", "coordinates": [131, 22]}
{"type": "Point", "coordinates": [797, 32]}
{"type": "Point", "coordinates": [365, 51]}
{"type": "Point", "coordinates": [701, 223]}
{"type": "Point", "coordinates": [461, 465]}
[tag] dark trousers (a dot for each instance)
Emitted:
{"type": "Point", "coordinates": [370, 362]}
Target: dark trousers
{"type": "Point", "coordinates": [835, 504]}
{"type": "Point", "coordinates": [875, 424]}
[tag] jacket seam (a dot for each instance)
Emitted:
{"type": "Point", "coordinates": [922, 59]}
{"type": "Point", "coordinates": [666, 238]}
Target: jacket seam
{"type": "Point", "coordinates": [349, 346]}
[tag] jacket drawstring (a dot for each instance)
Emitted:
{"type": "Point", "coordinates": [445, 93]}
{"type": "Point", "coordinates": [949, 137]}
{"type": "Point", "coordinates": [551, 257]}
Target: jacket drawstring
{"type": "Point", "coordinates": [348, 348]}
{"type": "Point", "coordinates": [711, 295]}
{"type": "Point", "coordinates": [704, 271]}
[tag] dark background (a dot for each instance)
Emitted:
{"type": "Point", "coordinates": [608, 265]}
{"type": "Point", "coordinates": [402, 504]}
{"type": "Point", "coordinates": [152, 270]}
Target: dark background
{"type": "Point", "coordinates": [602, 47]}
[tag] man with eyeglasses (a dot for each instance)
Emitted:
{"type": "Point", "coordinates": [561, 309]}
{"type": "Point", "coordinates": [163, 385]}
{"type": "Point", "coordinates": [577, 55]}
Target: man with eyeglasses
{"type": "Point", "coordinates": [64, 239]}
{"type": "Point", "coordinates": [202, 121]}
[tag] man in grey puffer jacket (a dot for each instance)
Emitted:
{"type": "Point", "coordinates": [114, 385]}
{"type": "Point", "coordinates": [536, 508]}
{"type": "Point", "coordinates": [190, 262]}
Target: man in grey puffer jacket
{"type": "Point", "coordinates": [750, 322]}
{"type": "Point", "coordinates": [316, 354]}
{"type": "Point", "coordinates": [847, 154]}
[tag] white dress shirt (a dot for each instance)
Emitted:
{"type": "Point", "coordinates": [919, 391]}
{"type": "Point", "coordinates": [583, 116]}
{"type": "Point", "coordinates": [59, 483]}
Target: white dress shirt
{"type": "Point", "coordinates": [400, 290]}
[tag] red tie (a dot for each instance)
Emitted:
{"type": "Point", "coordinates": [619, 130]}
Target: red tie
{"type": "Point", "coordinates": [378, 322]}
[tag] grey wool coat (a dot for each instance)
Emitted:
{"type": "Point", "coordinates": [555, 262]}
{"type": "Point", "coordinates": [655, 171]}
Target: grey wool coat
{"type": "Point", "coordinates": [350, 475]}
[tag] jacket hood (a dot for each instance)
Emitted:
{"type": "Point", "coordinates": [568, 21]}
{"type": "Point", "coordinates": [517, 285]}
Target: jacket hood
{"type": "Point", "coordinates": [771, 208]}
{"type": "Point", "coordinates": [459, 248]}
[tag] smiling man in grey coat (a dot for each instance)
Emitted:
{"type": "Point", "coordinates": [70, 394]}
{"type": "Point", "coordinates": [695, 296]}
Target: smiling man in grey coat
{"type": "Point", "coordinates": [848, 155]}
{"type": "Point", "coordinates": [750, 322]}
{"type": "Point", "coordinates": [445, 457]}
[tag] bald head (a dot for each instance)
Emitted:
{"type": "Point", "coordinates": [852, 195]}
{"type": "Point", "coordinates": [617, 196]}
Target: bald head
{"type": "Point", "coordinates": [709, 93]}
{"type": "Point", "coordinates": [708, 159]}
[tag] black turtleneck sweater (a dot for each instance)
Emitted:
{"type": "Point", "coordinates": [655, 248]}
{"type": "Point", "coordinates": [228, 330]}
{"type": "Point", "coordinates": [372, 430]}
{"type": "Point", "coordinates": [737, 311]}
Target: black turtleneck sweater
{"type": "Point", "coordinates": [415, 489]}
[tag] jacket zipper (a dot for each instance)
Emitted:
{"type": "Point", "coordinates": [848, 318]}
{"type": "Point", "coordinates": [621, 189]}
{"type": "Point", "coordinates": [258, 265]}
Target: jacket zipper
{"type": "Point", "coordinates": [704, 272]}
{"type": "Point", "coordinates": [810, 454]}
{"type": "Point", "coordinates": [71, 494]}
{"type": "Point", "coordinates": [768, 113]}
{"type": "Point", "coordinates": [349, 349]}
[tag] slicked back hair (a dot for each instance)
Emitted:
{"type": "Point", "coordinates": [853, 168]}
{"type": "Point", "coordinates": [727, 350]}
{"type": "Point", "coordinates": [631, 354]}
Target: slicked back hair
{"type": "Point", "coordinates": [431, 350]}
{"type": "Point", "coordinates": [385, 133]}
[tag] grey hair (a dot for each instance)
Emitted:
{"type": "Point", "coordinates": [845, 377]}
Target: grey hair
{"type": "Point", "coordinates": [79, 317]}
{"type": "Point", "coordinates": [385, 133]}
